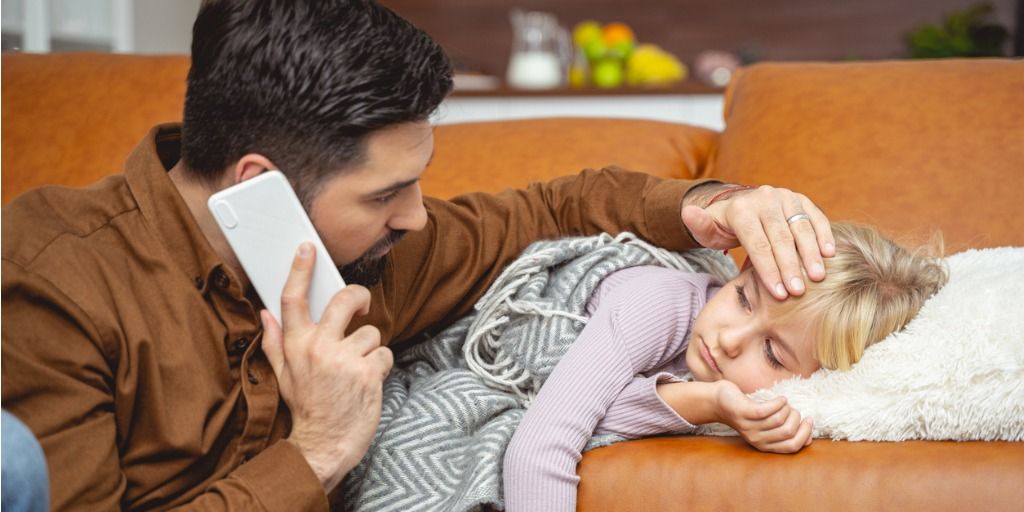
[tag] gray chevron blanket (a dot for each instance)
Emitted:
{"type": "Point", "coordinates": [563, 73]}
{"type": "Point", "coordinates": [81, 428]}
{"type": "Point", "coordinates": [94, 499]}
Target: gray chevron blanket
{"type": "Point", "coordinates": [452, 403]}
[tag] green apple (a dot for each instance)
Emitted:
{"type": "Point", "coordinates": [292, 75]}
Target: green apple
{"type": "Point", "coordinates": [585, 32]}
{"type": "Point", "coordinates": [595, 50]}
{"type": "Point", "coordinates": [607, 73]}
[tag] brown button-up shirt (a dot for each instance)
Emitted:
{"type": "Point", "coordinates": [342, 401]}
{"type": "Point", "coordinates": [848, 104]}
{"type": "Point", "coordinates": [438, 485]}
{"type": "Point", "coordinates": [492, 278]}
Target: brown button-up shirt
{"type": "Point", "coordinates": [133, 354]}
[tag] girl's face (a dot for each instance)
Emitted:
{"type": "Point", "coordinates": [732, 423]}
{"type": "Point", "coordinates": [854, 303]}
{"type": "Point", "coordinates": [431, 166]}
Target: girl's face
{"type": "Point", "coordinates": [738, 337]}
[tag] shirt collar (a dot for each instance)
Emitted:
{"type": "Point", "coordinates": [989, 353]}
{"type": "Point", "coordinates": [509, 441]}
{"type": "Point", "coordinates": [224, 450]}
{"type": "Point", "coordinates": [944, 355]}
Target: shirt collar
{"type": "Point", "coordinates": [163, 207]}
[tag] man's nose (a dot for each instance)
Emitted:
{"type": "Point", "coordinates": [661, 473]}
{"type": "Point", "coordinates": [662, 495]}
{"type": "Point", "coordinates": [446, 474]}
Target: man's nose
{"type": "Point", "coordinates": [411, 215]}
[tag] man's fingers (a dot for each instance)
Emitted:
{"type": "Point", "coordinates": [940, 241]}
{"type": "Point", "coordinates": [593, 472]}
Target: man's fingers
{"type": "Point", "coordinates": [273, 338]}
{"type": "Point", "coordinates": [754, 239]}
{"type": "Point", "coordinates": [295, 295]}
{"type": "Point", "coordinates": [345, 304]}
{"type": "Point", "coordinates": [806, 241]}
{"type": "Point", "coordinates": [783, 242]}
{"type": "Point", "coordinates": [364, 340]}
{"type": "Point", "coordinates": [822, 228]}
{"type": "Point", "coordinates": [385, 359]}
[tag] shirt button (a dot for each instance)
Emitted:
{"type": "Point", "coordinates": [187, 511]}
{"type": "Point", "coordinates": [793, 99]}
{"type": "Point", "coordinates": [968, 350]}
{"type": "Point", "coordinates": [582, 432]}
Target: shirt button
{"type": "Point", "coordinates": [254, 378]}
{"type": "Point", "coordinates": [240, 345]}
{"type": "Point", "coordinates": [198, 281]}
{"type": "Point", "coordinates": [222, 280]}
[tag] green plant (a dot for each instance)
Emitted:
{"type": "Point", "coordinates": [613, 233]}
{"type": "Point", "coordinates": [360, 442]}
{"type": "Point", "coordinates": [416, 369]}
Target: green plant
{"type": "Point", "coordinates": [966, 33]}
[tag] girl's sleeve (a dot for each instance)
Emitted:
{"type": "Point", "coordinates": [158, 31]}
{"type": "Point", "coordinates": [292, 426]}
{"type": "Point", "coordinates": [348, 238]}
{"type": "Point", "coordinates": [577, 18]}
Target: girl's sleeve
{"type": "Point", "coordinates": [641, 321]}
{"type": "Point", "coordinates": [639, 411]}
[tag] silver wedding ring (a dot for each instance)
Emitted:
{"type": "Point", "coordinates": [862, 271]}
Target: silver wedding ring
{"type": "Point", "coordinates": [797, 218]}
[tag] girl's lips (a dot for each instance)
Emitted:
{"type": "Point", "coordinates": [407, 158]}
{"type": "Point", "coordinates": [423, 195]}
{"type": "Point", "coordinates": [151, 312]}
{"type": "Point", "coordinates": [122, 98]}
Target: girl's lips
{"type": "Point", "coordinates": [706, 354]}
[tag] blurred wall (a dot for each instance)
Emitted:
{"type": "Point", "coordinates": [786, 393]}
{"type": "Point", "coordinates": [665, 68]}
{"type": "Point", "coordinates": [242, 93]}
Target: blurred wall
{"type": "Point", "coordinates": [477, 34]}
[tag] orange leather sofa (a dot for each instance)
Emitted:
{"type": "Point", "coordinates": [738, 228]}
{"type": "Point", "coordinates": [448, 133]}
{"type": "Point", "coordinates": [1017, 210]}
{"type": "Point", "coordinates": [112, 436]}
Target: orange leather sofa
{"type": "Point", "coordinates": [908, 146]}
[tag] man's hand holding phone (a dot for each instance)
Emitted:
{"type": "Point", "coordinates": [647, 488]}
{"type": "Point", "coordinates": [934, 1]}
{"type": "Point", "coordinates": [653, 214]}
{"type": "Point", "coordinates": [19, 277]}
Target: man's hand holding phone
{"type": "Point", "coordinates": [332, 383]}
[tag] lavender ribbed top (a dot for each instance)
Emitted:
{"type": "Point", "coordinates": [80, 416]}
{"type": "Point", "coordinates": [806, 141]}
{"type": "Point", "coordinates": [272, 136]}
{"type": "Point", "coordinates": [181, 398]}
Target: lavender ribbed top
{"type": "Point", "coordinates": [640, 321]}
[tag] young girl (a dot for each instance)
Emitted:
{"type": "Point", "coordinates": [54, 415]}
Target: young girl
{"type": "Point", "coordinates": [650, 325]}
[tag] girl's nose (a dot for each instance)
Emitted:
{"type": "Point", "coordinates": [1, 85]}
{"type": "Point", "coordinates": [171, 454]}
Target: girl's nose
{"type": "Point", "coordinates": [731, 341]}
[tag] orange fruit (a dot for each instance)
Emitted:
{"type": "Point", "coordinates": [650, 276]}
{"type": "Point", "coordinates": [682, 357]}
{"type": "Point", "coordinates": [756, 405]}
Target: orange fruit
{"type": "Point", "coordinates": [616, 32]}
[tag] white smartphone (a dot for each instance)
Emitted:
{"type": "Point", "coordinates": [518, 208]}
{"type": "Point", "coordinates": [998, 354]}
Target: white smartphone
{"type": "Point", "coordinates": [264, 223]}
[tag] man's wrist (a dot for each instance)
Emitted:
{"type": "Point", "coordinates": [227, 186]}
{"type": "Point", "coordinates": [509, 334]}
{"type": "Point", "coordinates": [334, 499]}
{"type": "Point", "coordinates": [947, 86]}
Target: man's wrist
{"type": "Point", "coordinates": [330, 468]}
{"type": "Point", "coordinates": [705, 194]}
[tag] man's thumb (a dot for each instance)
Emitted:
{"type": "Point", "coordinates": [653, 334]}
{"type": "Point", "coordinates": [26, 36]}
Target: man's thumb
{"type": "Point", "coordinates": [699, 222]}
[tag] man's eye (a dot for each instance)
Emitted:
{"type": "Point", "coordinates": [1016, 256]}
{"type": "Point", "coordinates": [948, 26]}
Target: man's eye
{"type": "Point", "coordinates": [386, 198]}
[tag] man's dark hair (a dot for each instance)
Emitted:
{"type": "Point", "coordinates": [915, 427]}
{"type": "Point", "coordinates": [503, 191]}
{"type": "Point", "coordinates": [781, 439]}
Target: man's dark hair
{"type": "Point", "coordinates": [303, 82]}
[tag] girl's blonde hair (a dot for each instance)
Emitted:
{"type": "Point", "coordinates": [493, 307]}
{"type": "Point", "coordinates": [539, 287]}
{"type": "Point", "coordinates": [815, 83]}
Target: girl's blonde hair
{"type": "Point", "coordinates": [873, 288]}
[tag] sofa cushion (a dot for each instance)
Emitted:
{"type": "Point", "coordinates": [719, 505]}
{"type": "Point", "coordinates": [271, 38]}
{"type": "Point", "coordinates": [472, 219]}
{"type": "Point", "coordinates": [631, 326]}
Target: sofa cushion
{"type": "Point", "coordinates": [905, 145]}
{"type": "Point", "coordinates": [491, 156]}
{"type": "Point", "coordinates": [696, 474]}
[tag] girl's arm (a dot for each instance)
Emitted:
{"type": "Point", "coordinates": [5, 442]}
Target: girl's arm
{"type": "Point", "coordinates": [641, 320]}
{"type": "Point", "coordinates": [771, 426]}
{"type": "Point", "coordinates": [694, 401]}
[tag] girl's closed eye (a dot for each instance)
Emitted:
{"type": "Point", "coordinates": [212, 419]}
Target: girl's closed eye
{"type": "Point", "coordinates": [741, 296]}
{"type": "Point", "coordinates": [769, 354]}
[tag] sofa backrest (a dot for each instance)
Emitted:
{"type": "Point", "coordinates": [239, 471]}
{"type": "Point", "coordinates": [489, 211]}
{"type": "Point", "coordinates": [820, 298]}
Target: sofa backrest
{"type": "Point", "coordinates": [906, 145]}
{"type": "Point", "coordinates": [491, 156]}
{"type": "Point", "coordinates": [71, 119]}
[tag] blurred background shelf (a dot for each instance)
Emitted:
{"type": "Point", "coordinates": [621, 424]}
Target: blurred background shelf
{"type": "Point", "coordinates": [501, 90]}
{"type": "Point", "coordinates": [478, 35]}
{"type": "Point", "coordinates": [688, 102]}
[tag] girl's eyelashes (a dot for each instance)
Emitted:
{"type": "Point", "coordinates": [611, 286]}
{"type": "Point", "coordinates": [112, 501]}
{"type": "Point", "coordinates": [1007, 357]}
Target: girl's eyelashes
{"type": "Point", "coordinates": [769, 354]}
{"type": "Point", "coordinates": [741, 296]}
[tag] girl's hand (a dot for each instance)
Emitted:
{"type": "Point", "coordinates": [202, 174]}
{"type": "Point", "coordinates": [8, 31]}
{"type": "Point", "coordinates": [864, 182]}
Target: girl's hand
{"type": "Point", "coordinates": [771, 426]}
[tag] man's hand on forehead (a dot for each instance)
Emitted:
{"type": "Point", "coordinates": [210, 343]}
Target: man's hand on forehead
{"type": "Point", "coordinates": [783, 232]}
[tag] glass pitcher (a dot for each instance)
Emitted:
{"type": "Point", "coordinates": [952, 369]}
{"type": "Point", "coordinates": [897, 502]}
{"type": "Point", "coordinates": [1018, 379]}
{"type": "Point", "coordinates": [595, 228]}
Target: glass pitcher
{"type": "Point", "coordinates": [541, 51]}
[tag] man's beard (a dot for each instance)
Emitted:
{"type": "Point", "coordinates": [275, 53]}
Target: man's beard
{"type": "Point", "coordinates": [368, 269]}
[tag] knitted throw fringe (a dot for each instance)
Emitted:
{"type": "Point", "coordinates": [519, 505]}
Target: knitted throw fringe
{"type": "Point", "coordinates": [452, 403]}
{"type": "Point", "coordinates": [498, 305]}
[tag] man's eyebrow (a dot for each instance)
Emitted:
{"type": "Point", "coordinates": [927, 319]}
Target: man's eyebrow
{"type": "Point", "coordinates": [759, 305]}
{"type": "Point", "coordinates": [400, 185]}
{"type": "Point", "coordinates": [393, 187]}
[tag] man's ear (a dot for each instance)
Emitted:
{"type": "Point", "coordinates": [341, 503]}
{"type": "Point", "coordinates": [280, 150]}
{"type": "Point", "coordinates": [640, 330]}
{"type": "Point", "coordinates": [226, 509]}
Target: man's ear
{"type": "Point", "coordinates": [250, 166]}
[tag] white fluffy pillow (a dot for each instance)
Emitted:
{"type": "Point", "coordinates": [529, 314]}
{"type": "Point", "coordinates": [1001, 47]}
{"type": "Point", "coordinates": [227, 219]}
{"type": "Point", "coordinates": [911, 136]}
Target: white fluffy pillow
{"type": "Point", "coordinates": [956, 372]}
